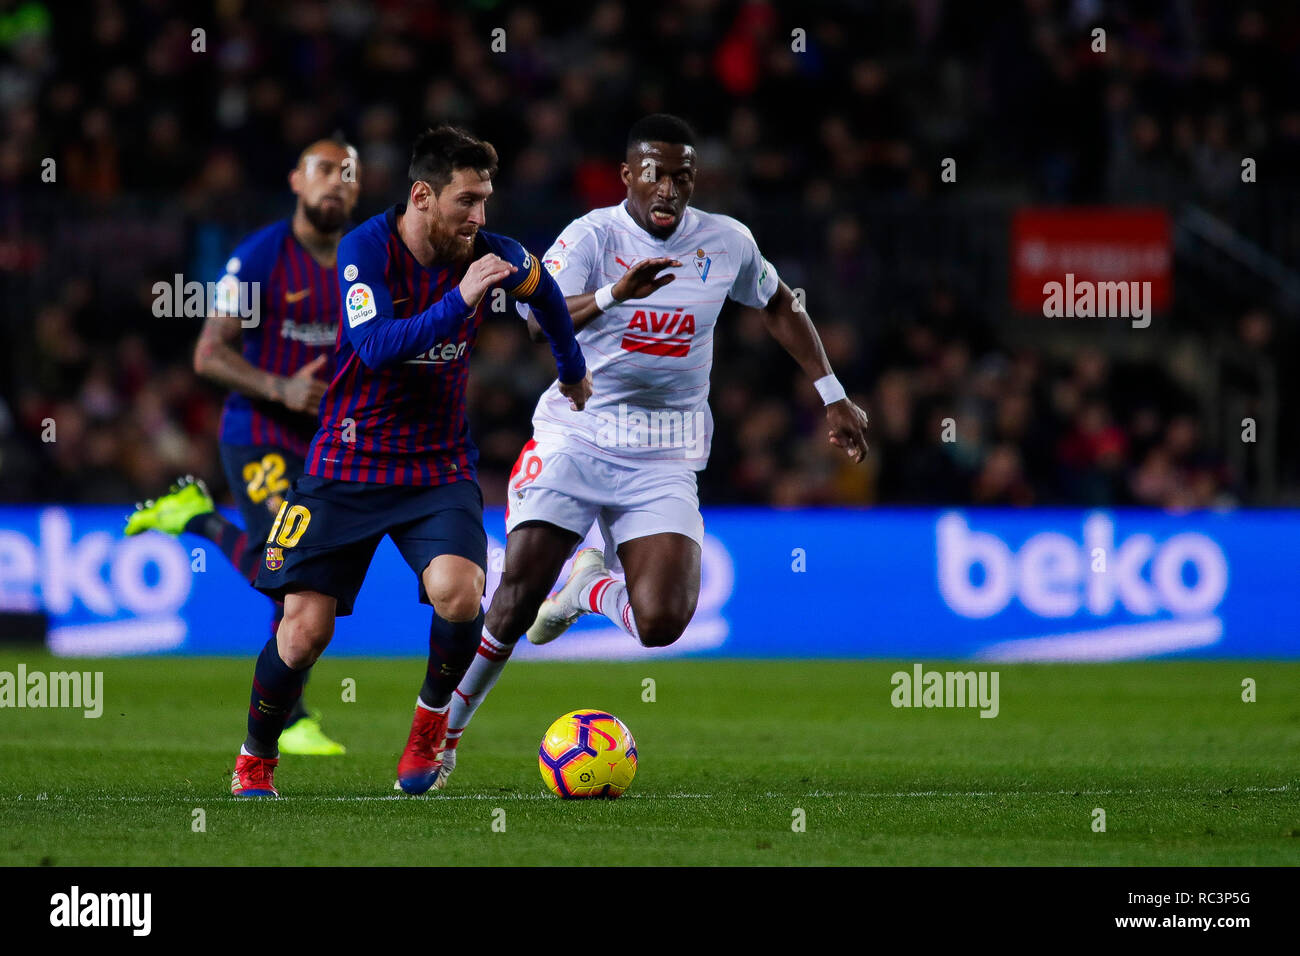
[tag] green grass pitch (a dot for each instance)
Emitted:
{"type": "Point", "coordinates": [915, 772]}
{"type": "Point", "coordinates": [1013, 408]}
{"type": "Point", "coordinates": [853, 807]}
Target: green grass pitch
{"type": "Point", "coordinates": [1186, 772]}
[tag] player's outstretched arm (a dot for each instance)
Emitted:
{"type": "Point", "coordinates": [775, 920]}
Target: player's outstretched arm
{"type": "Point", "coordinates": [568, 355]}
{"type": "Point", "coordinates": [217, 358]}
{"type": "Point", "coordinates": [642, 280]}
{"type": "Point", "coordinates": [789, 324]}
{"type": "Point", "coordinates": [551, 315]}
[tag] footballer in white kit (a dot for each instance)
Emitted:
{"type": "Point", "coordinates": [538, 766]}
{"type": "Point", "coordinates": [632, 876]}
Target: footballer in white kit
{"type": "Point", "coordinates": [629, 458]}
{"type": "Point", "coordinates": [644, 282]}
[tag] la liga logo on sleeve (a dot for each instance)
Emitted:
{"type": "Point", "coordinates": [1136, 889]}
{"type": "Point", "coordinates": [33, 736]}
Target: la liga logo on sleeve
{"type": "Point", "coordinates": [361, 304]}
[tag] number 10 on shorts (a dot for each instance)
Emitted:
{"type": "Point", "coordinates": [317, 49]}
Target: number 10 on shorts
{"type": "Point", "coordinates": [290, 525]}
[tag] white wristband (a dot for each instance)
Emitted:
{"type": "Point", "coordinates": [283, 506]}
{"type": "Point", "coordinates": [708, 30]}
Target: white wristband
{"type": "Point", "coordinates": [830, 389]}
{"type": "Point", "coordinates": [605, 297]}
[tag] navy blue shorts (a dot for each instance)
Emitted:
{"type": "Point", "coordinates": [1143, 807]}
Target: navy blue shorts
{"type": "Point", "coordinates": [260, 476]}
{"type": "Point", "coordinates": [327, 531]}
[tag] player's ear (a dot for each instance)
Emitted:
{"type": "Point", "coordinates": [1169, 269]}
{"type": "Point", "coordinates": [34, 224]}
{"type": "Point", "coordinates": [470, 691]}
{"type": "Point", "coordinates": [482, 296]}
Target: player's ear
{"type": "Point", "coordinates": [420, 195]}
{"type": "Point", "coordinates": [295, 180]}
{"type": "Point", "coordinates": [625, 173]}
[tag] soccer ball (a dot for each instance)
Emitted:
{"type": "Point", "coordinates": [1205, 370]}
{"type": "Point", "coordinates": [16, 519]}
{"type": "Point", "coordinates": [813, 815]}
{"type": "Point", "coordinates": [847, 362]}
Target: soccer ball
{"type": "Point", "coordinates": [588, 753]}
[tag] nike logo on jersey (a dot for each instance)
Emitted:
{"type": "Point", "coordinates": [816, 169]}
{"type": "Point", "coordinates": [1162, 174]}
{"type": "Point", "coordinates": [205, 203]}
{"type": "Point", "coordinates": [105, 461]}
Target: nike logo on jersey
{"type": "Point", "coordinates": [291, 297]}
{"type": "Point", "coordinates": [660, 333]}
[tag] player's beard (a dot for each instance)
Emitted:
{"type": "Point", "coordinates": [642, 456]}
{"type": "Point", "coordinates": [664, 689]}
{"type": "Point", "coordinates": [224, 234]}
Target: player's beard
{"type": "Point", "coordinates": [447, 246]}
{"type": "Point", "coordinates": [326, 219]}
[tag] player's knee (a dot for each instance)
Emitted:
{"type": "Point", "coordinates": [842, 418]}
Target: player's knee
{"type": "Point", "coordinates": [457, 600]}
{"type": "Point", "coordinates": [661, 615]}
{"type": "Point", "coordinates": [660, 627]}
{"type": "Point", "coordinates": [302, 638]}
{"type": "Point", "coordinates": [456, 590]}
{"type": "Point", "coordinates": [458, 606]}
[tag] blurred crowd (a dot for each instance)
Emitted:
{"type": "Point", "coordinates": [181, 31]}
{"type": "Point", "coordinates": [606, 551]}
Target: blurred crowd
{"type": "Point", "coordinates": [958, 418]}
{"type": "Point", "coordinates": [189, 136]}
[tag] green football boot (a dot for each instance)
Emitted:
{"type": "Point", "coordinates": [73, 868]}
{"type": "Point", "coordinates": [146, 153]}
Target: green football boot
{"type": "Point", "coordinates": [173, 511]}
{"type": "Point", "coordinates": [305, 737]}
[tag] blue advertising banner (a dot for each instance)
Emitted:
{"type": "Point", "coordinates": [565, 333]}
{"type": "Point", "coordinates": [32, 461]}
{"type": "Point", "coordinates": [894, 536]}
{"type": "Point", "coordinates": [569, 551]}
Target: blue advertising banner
{"type": "Point", "coordinates": [983, 584]}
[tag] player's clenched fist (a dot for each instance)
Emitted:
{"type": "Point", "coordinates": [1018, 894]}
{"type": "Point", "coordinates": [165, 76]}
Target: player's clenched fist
{"type": "Point", "coordinates": [577, 392]}
{"type": "Point", "coordinates": [848, 428]}
{"type": "Point", "coordinates": [302, 391]}
{"type": "Point", "coordinates": [481, 276]}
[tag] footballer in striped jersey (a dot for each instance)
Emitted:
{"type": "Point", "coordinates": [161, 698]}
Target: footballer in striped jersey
{"type": "Point", "coordinates": [393, 454]}
{"type": "Point", "coordinates": [275, 362]}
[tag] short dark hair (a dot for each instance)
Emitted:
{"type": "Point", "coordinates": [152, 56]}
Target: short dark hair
{"type": "Point", "coordinates": [336, 140]}
{"type": "Point", "coordinates": [441, 150]}
{"type": "Point", "coordinates": [661, 128]}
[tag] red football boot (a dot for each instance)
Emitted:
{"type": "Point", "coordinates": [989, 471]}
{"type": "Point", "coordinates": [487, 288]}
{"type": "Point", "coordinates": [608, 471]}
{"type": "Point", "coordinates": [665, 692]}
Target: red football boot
{"type": "Point", "coordinates": [254, 777]}
{"type": "Point", "coordinates": [422, 757]}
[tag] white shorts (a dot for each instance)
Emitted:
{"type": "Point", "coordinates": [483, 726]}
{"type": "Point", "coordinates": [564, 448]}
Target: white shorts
{"type": "Point", "coordinates": [565, 487]}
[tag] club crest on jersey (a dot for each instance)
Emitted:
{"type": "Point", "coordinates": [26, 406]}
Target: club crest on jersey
{"type": "Point", "coordinates": [660, 333]}
{"type": "Point", "coordinates": [702, 263]}
{"type": "Point", "coordinates": [274, 559]}
{"type": "Point", "coordinates": [361, 304]}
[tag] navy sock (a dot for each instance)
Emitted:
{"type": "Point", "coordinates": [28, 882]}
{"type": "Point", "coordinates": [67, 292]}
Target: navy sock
{"type": "Point", "coordinates": [299, 706]}
{"type": "Point", "coordinates": [452, 646]}
{"type": "Point", "coordinates": [276, 687]}
{"type": "Point", "coordinates": [230, 538]}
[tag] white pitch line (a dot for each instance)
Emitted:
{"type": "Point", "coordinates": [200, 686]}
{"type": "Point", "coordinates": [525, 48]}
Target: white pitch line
{"type": "Point", "coordinates": [1042, 793]}
{"type": "Point", "coordinates": [687, 796]}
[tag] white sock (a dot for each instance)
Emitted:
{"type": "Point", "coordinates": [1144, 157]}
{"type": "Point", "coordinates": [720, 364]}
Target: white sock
{"type": "Point", "coordinates": [608, 596]}
{"type": "Point", "coordinates": [436, 710]}
{"type": "Point", "coordinates": [483, 672]}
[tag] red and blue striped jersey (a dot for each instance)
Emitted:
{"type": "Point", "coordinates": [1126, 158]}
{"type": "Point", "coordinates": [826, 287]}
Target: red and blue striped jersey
{"type": "Point", "coordinates": [297, 318]}
{"type": "Point", "coordinates": [394, 411]}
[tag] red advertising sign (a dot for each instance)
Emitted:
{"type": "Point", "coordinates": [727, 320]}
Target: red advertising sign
{"type": "Point", "coordinates": [1090, 245]}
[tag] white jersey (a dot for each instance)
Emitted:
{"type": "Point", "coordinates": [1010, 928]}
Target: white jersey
{"type": "Point", "coordinates": [650, 358]}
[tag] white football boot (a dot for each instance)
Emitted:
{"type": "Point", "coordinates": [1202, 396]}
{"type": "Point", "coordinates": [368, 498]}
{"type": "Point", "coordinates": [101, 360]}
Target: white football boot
{"type": "Point", "coordinates": [561, 609]}
{"type": "Point", "coordinates": [448, 765]}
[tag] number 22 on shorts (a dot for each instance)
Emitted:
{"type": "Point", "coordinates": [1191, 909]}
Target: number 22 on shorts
{"type": "Point", "coordinates": [265, 477]}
